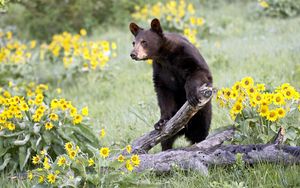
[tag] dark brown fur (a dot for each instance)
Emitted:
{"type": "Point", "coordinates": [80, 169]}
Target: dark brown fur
{"type": "Point", "coordinates": [178, 71]}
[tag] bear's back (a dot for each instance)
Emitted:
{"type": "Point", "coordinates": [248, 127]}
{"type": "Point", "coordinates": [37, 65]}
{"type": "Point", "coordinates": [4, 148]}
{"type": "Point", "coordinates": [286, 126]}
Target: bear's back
{"type": "Point", "coordinates": [186, 51]}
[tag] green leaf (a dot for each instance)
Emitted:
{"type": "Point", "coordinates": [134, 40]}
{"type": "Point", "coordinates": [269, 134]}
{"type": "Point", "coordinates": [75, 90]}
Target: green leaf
{"type": "Point", "coordinates": [87, 132]}
{"type": "Point", "coordinates": [47, 137]}
{"type": "Point", "coordinates": [26, 158]}
{"type": "Point", "coordinates": [3, 150]}
{"type": "Point", "coordinates": [6, 161]}
{"type": "Point", "coordinates": [22, 156]}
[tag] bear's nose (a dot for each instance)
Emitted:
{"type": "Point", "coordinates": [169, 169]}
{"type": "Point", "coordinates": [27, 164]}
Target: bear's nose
{"type": "Point", "coordinates": [133, 56]}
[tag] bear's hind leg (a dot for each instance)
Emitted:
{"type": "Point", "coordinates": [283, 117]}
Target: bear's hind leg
{"type": "Point", "coordinates": [168, 144]}
{"type": "Point", "coordinates": [198, 127]}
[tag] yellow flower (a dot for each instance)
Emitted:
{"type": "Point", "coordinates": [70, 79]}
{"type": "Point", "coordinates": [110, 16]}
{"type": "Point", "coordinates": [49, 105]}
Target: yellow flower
{"type": "Point", "coordinates": [264, 111]}
{"type": "Point", "coordinates": [104, 152]}
{"type": "Point", "coordinates": [39, 99]}
{"type": "Point", "coordinates": [278, 99]}
{"type": "Point", "coordinates": [129, 166]}
{"type": "Point", "coordinates": [251, 91]}
{"type": "Point", "coordinates": [234, 95]}
{"type": "Point", "coordinates": [200, 21]}
{"type": "Point", "coordinates": [272, 115]}
{"type": "Point", "coordinates": [113, 45]}
{"type": "Point", "coordinates": [83, 32]}
{"type": "Point", "coordinates": [227, 93]}
{"type": "Point", "coordinates": [128, 148]}
{"type": "Point", "coordinates": [91, 162]}
{"type": "Point", "coordinates": [54, 104]}
{"type": "Point", "coordinates": [73, 111]}
{"type": "Point", "coordinates": [72, 154]}
{"type": "Point", "coordinates": [9, 35]}
{"type": "Point", "coordinates": [247, 82]}
{"type": "Point", "coordinates": [61, 161]}
{"type": "Point", "coordinates": [43, 152]}
{"type": "Point", "coordinates": [284, 86]}
{"type": "Point", "coordinates": [236, 86]}
{"type": "Point", "coordinates": [32, 44]}
{"type": "Point", "coordinates": [289, 93]}
{"type": "Point", "coordinates": [232, 115]}
{"type": "Point", "coordinates": [77, 119]}
{"type": "Point", "coordinates": [10, 126]}
{"type": "Point", "coordinates": [31, 102]}
{"type": "Point", "coordinates": [135, 160]}
{"type": "Point", "coordinates": [237, 107]}
{"type": "Point", "coordinates": [281, 112]}
{"type": "Point", "coordinates": [257, 98]}
{"type": "Point", "coordinates": [46, 164]}
{"type": "Point", "coordinates": [85, 111]}
{"type": "Point", "coordinates": [24, 106]}
{"type": "Point", "coordinates": [41, 179]}
{"type": "Point", "coordinates": [102, 133]}
{"type": "Point", "coordinates": [121, 158]}
{"type": "Point", "coordinates": [64, 105]}
{"type": "Point", "coordinates": [58, 90]}
{"type": "Point", "coordinates": [29, 175]}
{"type": "Point", "coordinates": [53, 117]}
{"type": "Point", "coordinates": [49, 126]}
{"type": "Point", "coordinates": [260, 87]}
{"type": "Point", "coordinates": [68, 146]}
{"type": "Point", "coordinates": [36, 159]}
{"type": "Point", "coordinates": [263, 4]}
{"type": "Point", "coordinates": [51, 178]}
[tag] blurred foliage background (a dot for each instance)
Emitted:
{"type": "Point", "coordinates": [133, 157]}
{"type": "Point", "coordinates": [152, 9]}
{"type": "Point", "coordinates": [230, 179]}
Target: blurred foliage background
{"type": "Point", "coordinates": [40, 19]}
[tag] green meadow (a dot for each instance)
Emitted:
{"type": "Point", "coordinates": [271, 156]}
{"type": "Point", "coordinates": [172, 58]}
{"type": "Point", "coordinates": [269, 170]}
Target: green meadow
{"type": "Point", "coordinates": [121, 98]}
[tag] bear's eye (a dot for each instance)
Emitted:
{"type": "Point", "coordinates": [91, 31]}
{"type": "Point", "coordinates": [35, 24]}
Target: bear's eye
{"type": "Point", "coordinates": [133, 43]}
{"type": "Point", "coordinates": [143, 42]}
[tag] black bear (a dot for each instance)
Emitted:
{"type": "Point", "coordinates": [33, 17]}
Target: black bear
{"type": "Point", "coordinates": [178, 71]}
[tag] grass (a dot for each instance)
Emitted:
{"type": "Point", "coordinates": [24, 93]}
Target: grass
{"type": "Point", "coordinates": [124, 103]}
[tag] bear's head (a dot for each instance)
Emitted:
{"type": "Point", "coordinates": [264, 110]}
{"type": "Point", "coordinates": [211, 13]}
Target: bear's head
{"type": "Point", "coordinates": [146, 43]}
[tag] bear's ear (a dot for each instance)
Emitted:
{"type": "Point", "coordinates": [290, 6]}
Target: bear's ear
{"type": "Point", "coordinates": [155, 26]}
{"type": "Point", "coordinates": [135, 29]}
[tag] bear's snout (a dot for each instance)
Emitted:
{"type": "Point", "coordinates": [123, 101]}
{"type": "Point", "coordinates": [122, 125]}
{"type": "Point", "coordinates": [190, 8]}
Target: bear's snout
{"type": "Point", "coordinates": [133, 56]}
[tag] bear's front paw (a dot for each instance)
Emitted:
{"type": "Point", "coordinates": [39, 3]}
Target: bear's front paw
{"type": "Point", "coordinates": [193, 100]}
{"type": "Point", "coordinates": [160, 124]}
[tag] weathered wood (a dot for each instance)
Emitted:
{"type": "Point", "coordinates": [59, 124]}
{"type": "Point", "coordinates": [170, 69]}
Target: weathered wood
{"type": "Point", "coordinates": [210, 152]}
{"type": "Point", "coordinates": [174, 125]}
{"type": "Point", "coordinates": [213, 141]}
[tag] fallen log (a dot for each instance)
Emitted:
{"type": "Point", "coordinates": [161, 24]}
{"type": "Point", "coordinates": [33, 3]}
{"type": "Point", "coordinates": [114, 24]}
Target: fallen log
{"type": "Point", "coordinates": [210, 152]}
{"type": "Point", "coordinates": [174, 125]}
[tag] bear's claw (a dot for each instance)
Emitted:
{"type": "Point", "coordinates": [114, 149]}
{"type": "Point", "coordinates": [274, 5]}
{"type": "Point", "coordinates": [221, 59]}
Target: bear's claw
{"type": "Point", "coordinates": [159, 125]}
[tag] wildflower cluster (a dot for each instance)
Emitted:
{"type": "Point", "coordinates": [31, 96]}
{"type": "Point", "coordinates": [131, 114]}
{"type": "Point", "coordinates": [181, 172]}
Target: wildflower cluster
{"type": "Point", "coordinates": [64, 169]}
{"type": "Point", "coordinates": [279, 8]}
{"type": "Point", "coordinates": [32, 106]}
{"type": "Point", "coordinates": [174, 15]}
{"type": "Point", "coordinates": [247, 100]}
{"type": "Point", "coordinates": [31, 120]}
{"type": "Point", "coordinates": [75, 50]}
{"type": "Point", "coordinates": [13, 51]}
{"type": "Point", "coordinates": [68, 54]}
